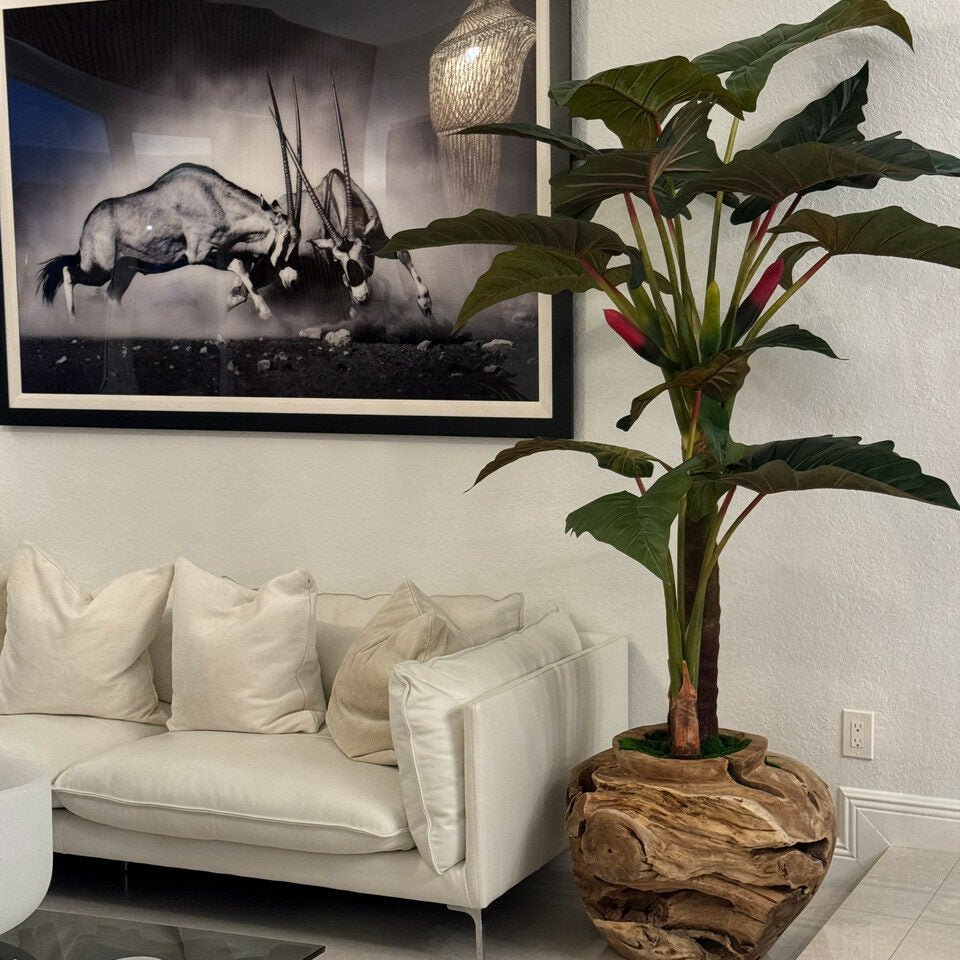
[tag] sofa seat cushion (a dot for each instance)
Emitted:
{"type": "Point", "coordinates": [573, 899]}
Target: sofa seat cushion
{"type": "Point", "coordinates": [292, 791]}
{"type": "Point", "coordinates": [58, 742]}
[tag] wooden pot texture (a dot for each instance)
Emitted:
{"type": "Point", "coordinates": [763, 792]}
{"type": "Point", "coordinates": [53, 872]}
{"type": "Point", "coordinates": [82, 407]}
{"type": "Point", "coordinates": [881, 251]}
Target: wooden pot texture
{"type": "Point", "coordinates": [697, 859]}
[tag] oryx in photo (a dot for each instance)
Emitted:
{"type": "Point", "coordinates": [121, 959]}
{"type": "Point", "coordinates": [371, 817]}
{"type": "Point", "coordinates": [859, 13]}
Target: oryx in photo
{"type": "Point", "coordinates": [190, 215]}
{"type": "Point", "coordinates": [353, 237]}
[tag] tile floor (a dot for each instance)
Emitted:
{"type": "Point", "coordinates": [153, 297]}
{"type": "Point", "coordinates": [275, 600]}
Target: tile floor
{"type": "Point", "coordinates": [541, 919]}
{"type": "Point", "coordinates": [906, 908]}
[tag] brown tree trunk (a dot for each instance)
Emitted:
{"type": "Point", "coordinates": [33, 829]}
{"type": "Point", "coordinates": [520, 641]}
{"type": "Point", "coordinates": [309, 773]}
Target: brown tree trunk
{"type": "Point", "coordinates": [682, 723]}
{"type": "Point", "coordinates": [697, 533]}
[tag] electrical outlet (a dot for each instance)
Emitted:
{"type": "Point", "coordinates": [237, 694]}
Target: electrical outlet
{"type": "Point", "coordinates": [858, 734]}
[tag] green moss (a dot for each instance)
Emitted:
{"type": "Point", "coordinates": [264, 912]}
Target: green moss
{"type": "Point", "coordinates": [657, 744]}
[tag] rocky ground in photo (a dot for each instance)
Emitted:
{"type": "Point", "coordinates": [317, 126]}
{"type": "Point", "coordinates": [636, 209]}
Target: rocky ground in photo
{"type": "Point", "coordinates": [325, 365]}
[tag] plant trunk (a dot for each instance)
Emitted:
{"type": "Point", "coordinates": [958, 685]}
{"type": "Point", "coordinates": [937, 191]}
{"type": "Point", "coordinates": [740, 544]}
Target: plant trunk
{"type": "Point", "coordinates": [697, 534]}
{"type": "Point", "coordinates": [682, 725]}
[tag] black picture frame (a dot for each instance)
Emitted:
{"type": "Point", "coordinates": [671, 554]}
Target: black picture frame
{"type": "Point", "coordinates": [559, 424]}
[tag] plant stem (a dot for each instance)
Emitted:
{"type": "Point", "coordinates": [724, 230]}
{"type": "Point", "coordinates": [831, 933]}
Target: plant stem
{"type": "Point", "coordinates": [643, 489]}
{"type": "Point", "coordinates": [764, 253]}
{"type": "Point", "coordinates": [692, 435]}
{"type": "Point", "coordinates": [718, 209]}
{"type": "Point", "coordinates": [619, 300]}
{"type": "Point", "coordinates": [674, 630]}
{"type": "Point", "coordinates": [684, 327]}
{"type": "Point", "coordinates": [803, 281]}
{"type": "Point", "coordinates": [736, 523]}
{"type": "Point", "coordinates": [666, 326]}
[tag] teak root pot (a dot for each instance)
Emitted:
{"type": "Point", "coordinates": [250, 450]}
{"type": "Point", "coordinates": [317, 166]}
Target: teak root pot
{"type": "Point", "coordinates": [697, 859]}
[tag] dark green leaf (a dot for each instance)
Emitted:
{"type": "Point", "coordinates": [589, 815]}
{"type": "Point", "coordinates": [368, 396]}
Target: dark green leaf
{"type": "Point", "coordinates": [799, 169]}
{"type": "Point", "coordinates": [720, 379]}
{"type": "Point", "coordinates": [794, 338]}
{"type": "Point", "coordinates": [563, 236]}
{"type": "Point", "coordinates": [621, 460]}
{"type": "Point", "coordinates": [908, 160]}
{"type": "Point", "coordinates": [834, 119]}
{"type": "Point", "coordinates": [637, 526]}
{"type": "Point", "coordinates": [533, 270]}
{"type": "Point", "coordinates": [836, 463]}
{"type": "Point", "coordinates": [633, 101]}
{"type": "Point", "coordinates": [724, 375]}
{"type": "Point", "coordinates": [531, 131]}
{"type": "Point", "coordinates": [791, 257]}
{"type": "Point", "coordinates": [890, 232]}
{"type": "Point", "coordinates": [749, 62]}
{"type": "Point", "coordinates": [684, 152]}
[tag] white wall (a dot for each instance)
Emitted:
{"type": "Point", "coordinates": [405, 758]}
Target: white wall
{"type": "Point", "coordinates": [830, 600]}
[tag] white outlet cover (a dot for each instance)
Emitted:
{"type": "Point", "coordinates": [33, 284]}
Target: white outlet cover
{"type": "Point", "coordinates": [857, 731]}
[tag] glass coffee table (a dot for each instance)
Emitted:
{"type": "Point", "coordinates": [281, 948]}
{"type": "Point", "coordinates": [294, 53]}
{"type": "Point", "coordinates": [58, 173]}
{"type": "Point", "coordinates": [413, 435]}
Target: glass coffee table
{"type": "Point", "coordinates": [53, 935]}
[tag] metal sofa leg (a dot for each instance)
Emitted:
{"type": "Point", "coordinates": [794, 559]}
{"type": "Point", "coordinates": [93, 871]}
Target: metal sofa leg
{"type": "Point", "coordinates": [477, 916]}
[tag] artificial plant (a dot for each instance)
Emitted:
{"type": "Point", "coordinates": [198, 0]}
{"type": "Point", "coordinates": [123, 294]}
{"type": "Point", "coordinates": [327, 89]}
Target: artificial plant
{"type": "Point", "coordinates": [698, 328]}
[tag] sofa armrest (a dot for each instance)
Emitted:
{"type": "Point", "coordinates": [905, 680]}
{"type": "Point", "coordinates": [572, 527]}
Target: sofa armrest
{"type": "Point", "coordinates": [520, 743]}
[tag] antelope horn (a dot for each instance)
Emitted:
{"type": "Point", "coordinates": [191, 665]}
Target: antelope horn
{"type": "Point", "coordinates": [347, 181]}
{"type": "Point", "coordinates": [298, 209]}
{"type": "Point", "coordinates": [283, 148]}
{"type": "Point", "coordinates": [373, 214]}
{"type": "Point", "coordinates": [312, 194]}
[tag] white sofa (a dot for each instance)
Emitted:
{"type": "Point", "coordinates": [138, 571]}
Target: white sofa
{"type": "Point", "coordinates": [294, 808]}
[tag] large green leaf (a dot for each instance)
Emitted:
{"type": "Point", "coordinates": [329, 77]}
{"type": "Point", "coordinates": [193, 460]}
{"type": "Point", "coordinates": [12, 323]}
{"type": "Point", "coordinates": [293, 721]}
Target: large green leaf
{"type": "Point", "coordinates": [563, 236]}
{"type": "Point", "coordinates": [835, 118]}
{"type": "Point", "coordinates": [637, 526]}
{"type": "Point", "coordinates": [836, 463]}
{"type": "Point", "coordinates": [633, 101]}
{"type": "Point", "coordinates": [749, 62]}
{"type": "Point", "coordinates": [684, 152]}
{"type": "Point", "coordinates": [621, 460]}
{"type": "Point", "coordinates": [533, 270]}
{"type": "Point", "coordinates": [890, 232]}
{"type": "Point", "coordinates": [532, 131]}
{"type": "Point", "coordinates": [910, 160]}
{"type": "Point", "coordinates": [792, 170]}
{"type": "Point", "coordinates": [724, 375]}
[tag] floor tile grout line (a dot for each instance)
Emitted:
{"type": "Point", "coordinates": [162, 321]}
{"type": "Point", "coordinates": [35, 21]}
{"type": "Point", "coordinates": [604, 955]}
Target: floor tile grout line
{"type": "Point", "coordinates": [927, 904]}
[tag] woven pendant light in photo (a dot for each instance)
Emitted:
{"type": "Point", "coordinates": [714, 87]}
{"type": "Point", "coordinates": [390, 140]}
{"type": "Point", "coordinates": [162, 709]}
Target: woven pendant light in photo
{"type": "Point", "coordinates": [475, 76]}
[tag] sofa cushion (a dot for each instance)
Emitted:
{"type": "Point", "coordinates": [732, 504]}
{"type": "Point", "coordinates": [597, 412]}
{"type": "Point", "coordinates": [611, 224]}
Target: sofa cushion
{"type": "Point", "coordinates": [244, 660]}
{"type": "Point", "coordinates": [409, 626]}
{"type": "Point", "coordinates": [289, 791]}
{"type": "Point", "coordinates": [426, 714]}
{"type": "Point", "coordinates": [75, 653]}
{"type": "Point", "coordinates": [57, 743]}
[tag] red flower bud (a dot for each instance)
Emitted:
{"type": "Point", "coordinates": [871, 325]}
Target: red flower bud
{"type": "Point", "coordinates": [752, 307]}
{"type": "Point", "coordinates": [638, 341]}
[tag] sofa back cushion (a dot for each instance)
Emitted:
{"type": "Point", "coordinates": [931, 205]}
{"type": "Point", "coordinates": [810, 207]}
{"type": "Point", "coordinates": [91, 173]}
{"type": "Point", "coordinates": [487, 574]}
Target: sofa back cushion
{"type": "Point", "coordinates": [244, 660]}
{"type": "Point", "coordinates": [426, 718]}
{"type": "Point", "coordinates": [340, 617]}
{"type": "Point", "coordinates": [70, 652]}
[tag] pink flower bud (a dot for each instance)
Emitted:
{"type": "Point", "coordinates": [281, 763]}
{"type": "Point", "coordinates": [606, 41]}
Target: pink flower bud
{"type": "Point", "coordinates": [753, 306]}
{"type": "Point", "coordinates": [639, 342]}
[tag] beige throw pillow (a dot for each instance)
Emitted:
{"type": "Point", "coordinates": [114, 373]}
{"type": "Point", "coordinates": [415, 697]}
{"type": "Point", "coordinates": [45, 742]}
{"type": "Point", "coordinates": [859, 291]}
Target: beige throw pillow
{"type": "Point", "coordinates": [409, 626]}
{"type": "Point", "coordinates": [76, 653]}
{"type": "Point", "coordinates": [244, 660]}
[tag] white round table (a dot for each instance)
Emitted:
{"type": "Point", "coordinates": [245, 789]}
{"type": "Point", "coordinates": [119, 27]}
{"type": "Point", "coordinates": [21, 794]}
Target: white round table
{"type": "Point", "coordinates": [26, 840]}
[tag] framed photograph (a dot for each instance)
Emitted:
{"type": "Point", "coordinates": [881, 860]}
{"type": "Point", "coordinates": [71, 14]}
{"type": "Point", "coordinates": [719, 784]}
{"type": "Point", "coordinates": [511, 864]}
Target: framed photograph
{"type": "Point", "coordinates": [193, 194]}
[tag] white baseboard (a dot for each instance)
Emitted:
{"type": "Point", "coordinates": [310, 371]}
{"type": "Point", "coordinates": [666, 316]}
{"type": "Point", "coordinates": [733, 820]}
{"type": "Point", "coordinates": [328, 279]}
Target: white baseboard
{"type": "Point", "coordinates": [870, 821]}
